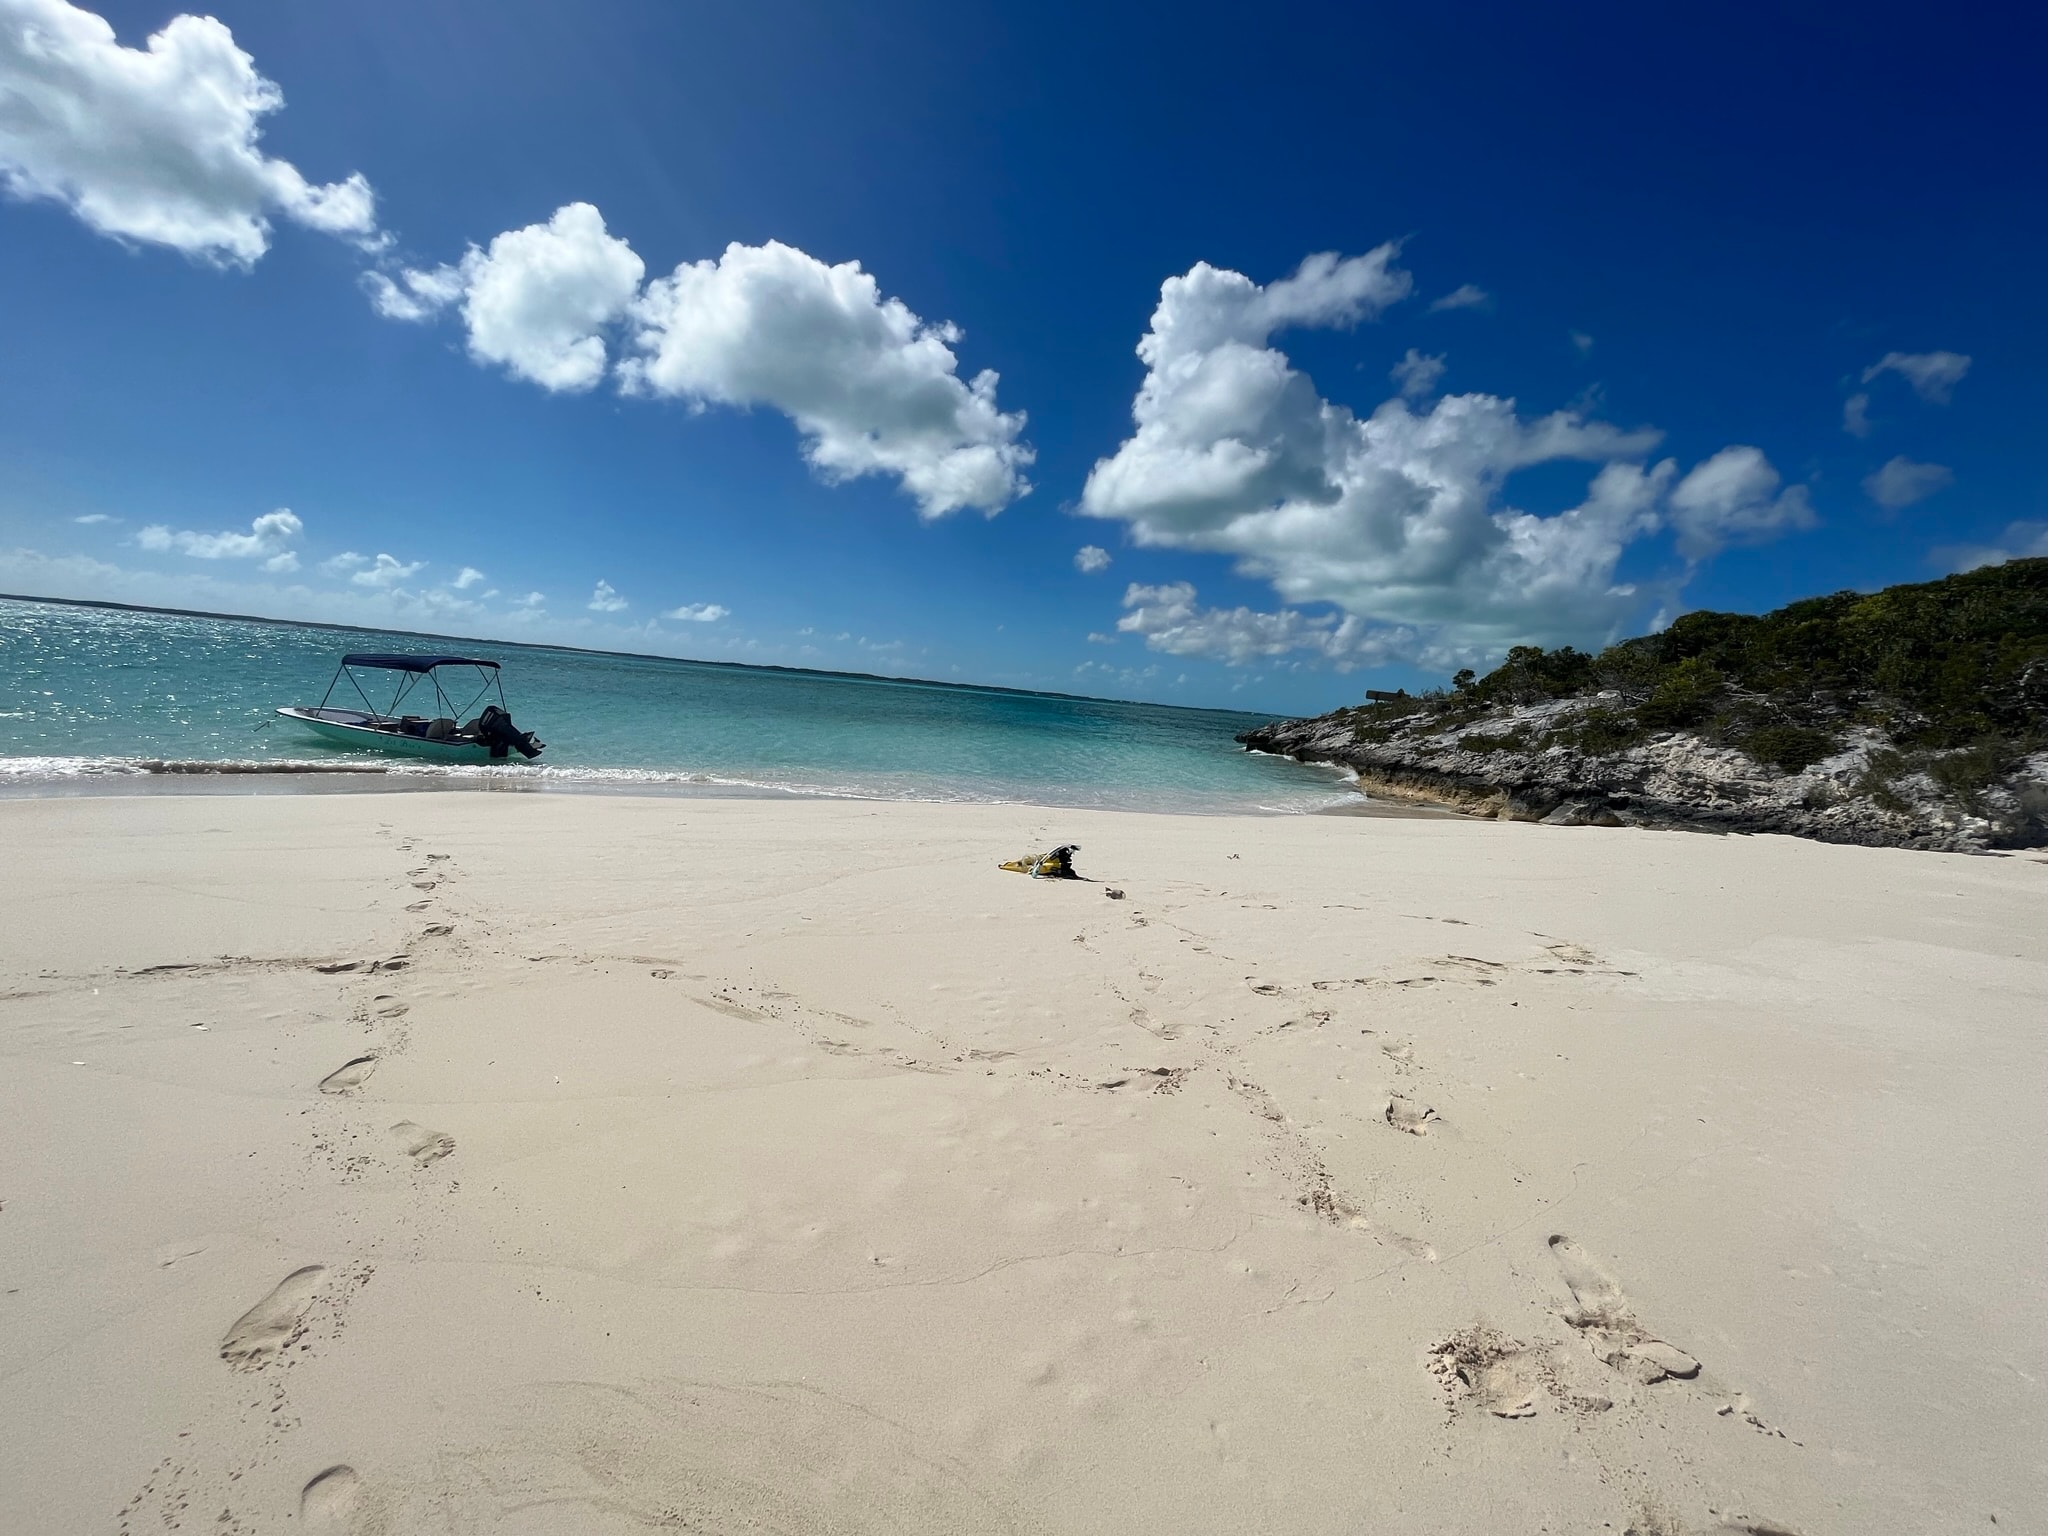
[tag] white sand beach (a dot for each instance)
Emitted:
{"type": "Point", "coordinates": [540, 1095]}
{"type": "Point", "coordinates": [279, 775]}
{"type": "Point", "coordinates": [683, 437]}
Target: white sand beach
{"type": "Point", "coordinates": [525, 1163]}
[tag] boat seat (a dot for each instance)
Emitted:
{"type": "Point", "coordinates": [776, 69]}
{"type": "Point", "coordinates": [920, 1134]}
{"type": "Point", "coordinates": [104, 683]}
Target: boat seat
{"type": "Point", "coordinates": [441, 729]}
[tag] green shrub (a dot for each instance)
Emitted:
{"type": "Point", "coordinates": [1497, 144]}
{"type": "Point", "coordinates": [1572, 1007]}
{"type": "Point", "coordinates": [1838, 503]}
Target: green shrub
{"type": "Point", "coordinates": [1941, 665]}
{"type": "Point", "coordinates": [1879, 770]}
{"type": "Point", "coordinates": [1685, 695]}
{"type": "Point", "coordinates": [1598, 731]}
{"type": "Point", "coordinates": [1969, 771]}
{"type": "Point", "coordinates": [1507, 741]}
{"type": "Point", "coordinates": [1792, 748]}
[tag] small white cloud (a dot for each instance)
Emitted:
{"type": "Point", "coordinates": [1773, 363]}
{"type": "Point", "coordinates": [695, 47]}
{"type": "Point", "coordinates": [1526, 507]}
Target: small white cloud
{"type": "Point", "coordinates": [1096, 637]}
{"type": "Point", "coordinates": [468, 578]}
{"type": "Point", "coordinates": [282, 563]}
{"type": "Point", "coordinates": [1733, 498]}
{"type": "Point", "coordinates": [1582, 342]}
{"type": "Point", "coordinates": [1856, 415]}
{"type": "Point", "coordinates": [383, 572]}
{"type": "Point", "coordinates": [605, 600]}
{"type": "Point", "coordinates": [93, 519]}
{"type": "Point", "coordinates": [266, 539]}
{"type": "Point", "coordinates": [1465, 296]}
{"type": "Point", "coordinates": [697, 613]}
{"type": "Point", "coordinates": [157, 144]}
{"type": "Point", "coordinates": [1901, 482]}
{"type": "Point", "coordinates": [1418, 373]}
{"type": "Point", "coordinates": [2022, 541]}
{"type": "Point", "coordinates": [1090, 559]}
{"type": "Point", "coordinates": [1933, 375]}
{"type": "Point", "coordinates": [414, 294]}
{"type": "Point", "coordinates": [533, 600]}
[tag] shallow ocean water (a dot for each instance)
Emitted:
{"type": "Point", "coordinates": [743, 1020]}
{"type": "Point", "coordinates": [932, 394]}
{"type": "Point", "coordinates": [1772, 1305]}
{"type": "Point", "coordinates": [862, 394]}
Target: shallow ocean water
{"type": "Point", "coordinates": [87, 694]}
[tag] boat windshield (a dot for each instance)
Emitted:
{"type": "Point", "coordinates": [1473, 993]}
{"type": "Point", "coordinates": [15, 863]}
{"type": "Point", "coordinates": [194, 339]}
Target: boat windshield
{"type": "Point", "coordinates": [411, 672]}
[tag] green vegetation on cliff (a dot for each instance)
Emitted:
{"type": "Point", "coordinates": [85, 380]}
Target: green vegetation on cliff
{"type": "Point", "coordinates": [1954, 672]}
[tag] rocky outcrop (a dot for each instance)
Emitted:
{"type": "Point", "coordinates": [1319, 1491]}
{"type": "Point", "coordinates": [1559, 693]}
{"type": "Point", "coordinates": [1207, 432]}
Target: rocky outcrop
{"type": "Point", "coordinates": [1521, 764]}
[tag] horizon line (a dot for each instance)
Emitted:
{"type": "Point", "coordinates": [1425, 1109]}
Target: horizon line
{"type": "Point", "coordinates": [585, 650]}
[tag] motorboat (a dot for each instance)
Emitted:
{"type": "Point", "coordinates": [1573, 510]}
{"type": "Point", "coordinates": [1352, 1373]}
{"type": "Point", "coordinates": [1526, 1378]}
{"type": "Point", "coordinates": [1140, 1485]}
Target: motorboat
{"type": "Point", "coordinates": [442, 736]}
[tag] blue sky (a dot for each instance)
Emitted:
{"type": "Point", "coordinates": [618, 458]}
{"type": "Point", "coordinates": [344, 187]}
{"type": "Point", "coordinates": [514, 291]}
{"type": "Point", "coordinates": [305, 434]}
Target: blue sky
{"type": "Point", "coordinates": [1618, 313]}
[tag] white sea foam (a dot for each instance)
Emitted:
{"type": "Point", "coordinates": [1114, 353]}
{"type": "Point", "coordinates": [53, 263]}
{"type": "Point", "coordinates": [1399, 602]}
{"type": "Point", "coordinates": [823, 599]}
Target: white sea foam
{"type": "Point", "coordinates": [23, 774]}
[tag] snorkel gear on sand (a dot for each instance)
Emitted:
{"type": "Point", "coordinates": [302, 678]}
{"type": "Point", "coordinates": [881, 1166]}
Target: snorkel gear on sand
{"type": "Point", "coordinates": [1056, 865]}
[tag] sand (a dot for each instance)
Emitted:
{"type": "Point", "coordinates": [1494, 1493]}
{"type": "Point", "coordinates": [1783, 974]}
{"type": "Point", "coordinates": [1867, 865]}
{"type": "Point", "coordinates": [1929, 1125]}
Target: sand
{"type": "Point", "coordinates": [553, 1164]}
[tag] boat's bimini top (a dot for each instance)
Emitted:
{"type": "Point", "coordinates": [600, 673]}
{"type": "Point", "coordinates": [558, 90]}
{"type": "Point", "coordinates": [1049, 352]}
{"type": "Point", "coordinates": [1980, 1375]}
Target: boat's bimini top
{"type": "Point", "coordinates": [392, 662]}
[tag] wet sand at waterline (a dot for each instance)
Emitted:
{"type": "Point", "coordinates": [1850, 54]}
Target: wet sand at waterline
{"type": "Point", "coordinates": [528, 1163]}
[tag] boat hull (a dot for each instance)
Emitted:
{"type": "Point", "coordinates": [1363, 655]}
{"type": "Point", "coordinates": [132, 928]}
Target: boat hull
{"type": "Point", "coordinates": [357, 735]}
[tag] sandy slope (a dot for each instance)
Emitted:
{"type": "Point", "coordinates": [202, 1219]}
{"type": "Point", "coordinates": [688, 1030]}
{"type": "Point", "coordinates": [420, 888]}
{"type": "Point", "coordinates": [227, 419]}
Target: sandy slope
{"type": "Point", "coordinates": [749, 1167]}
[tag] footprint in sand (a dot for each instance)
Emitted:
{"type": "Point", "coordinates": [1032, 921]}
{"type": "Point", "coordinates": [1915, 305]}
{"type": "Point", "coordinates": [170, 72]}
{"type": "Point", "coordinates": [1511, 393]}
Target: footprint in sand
{"type": "Point", "coordinates": [422, 1145]}
{"type": "Point", "coordinates": [418, 906]}
{"type": "Point", "coordinates": [389, 1007]}
{"type": "Point", "coordinates": [1484, 1367]}
{"type": "Point", "coordinates": [266, 1328]}
{"type": "Point", "coordinates": [1409, 1115]}
{"type": "Point", "coordinates": [332, 1501]}
{"type": "Point", "coordinates": [1598, 1294]}
{"type": "Point", "coordinates": [437, 930]}
{"type": "Point", "coordinates": [349, 1076]}
{"type": "Point", "coordinates": [1601, 1311]}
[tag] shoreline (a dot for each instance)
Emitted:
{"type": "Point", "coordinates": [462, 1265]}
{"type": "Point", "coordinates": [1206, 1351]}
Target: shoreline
{"type": "Point", "coordinates": [145, 777]}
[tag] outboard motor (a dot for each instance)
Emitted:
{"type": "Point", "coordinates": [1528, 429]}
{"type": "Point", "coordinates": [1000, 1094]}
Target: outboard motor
{"type": "Point", "coordinates": [494, 728]}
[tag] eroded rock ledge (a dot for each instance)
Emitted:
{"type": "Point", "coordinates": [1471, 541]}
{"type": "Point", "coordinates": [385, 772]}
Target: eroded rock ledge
{"type": "Point", "coordinates": [1511, 764]}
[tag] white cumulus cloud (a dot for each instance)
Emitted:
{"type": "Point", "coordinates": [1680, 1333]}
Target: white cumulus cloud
{"type": "Point", "coordinates": [1395, 518]}
{"type": "Point", "coordinates": [1856, 415]}
{"type": "Point", "coordinates": [1933, 375]}
{"type": "Point", "coordinates": [536, 302]}
{"type": "Point", "coordinates": [269, 539]}
{"type": "Point", "coordinates": [1901, 482]}
{"type": "Point", "coordinates": [698, 613]}
{"type": "Point", "coordinates": [1090, 559]}
{"type": "Point", "coordinates": [468, 577]}
{"type": "Point", "coordinates": [1170, 620]}
{"type": "Point", "coordinates": [1734, 498]}
{"type": "Point", "coordinates": [158, 144]}
{"type": "Point", "coordinates": [603, 599]}
{"type": "Point", "coordinates": [94, 519]}
{"type": "Point", "coordinates": [872, 388]}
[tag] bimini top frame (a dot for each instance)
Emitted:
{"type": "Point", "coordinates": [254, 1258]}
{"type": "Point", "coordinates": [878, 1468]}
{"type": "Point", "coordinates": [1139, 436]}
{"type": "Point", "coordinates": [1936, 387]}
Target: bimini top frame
{"type": "Point", "coordinates": [412, 670]}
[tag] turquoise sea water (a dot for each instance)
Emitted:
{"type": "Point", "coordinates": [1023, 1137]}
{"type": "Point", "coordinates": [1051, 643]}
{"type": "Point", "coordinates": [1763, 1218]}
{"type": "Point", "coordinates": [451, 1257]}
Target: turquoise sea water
{"type": "Point", "coordinates": [91, 693]}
